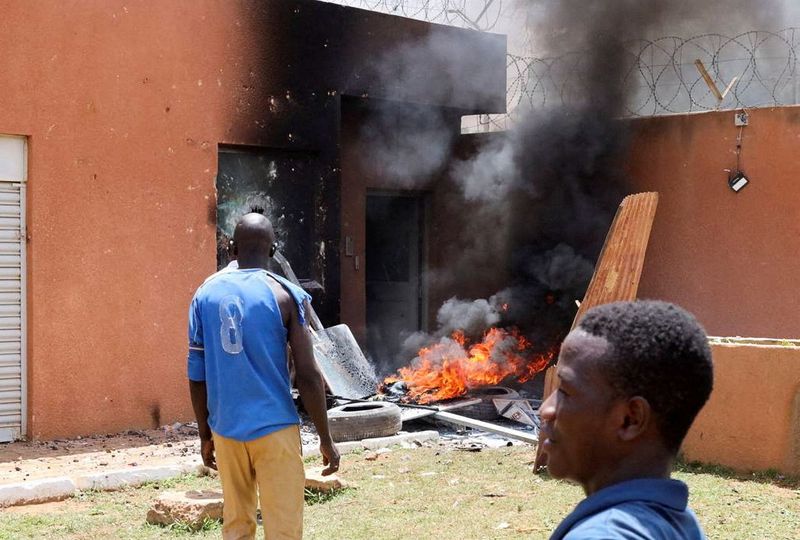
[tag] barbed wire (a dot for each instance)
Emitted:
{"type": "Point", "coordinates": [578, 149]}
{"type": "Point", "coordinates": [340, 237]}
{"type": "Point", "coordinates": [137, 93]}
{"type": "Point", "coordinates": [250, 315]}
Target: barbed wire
{"type": "Point", "coordinates": [757, 68]}
{"type": "Point", "coordinates": [661, 76]}
{"type": "Point", "coordinates": [482, 15]}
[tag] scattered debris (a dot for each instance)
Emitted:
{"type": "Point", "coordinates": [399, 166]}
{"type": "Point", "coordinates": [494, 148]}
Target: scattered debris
{"type": "Point", "coordinates": [487, 409]}
{"type": "Point", "coordinates": [412, 412]}
{"type": "Point", "coordinates": [517, 409]}
{"type": "Point", "coordinates": [486, 426]}
{"type": "Point", "coordinates": [470, 447]}
{"type": "Point", "coordinates": [340, 359]}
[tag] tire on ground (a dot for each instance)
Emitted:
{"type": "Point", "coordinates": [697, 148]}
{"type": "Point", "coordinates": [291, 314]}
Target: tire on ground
{"type": "Point", "coordinates": [485, 410]}
{"type": "Point", "coordinates": [358, 421]}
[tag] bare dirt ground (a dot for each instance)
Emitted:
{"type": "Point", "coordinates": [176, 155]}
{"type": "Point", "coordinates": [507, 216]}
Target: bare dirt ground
{"type": "Point", "coordinates": [30, 460]}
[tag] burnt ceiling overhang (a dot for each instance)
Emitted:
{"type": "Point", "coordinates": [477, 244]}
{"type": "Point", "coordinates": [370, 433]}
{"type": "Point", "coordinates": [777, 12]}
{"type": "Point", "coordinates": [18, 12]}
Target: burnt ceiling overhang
{"type": "Point", "coordinates": [312, 47]}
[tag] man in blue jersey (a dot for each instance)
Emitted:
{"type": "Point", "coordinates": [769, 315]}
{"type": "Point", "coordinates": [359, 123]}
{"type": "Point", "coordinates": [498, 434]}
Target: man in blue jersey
{"type": "Point", "coordinates": [631, 379]}
{"type": "Point", "coordinates": [240, 322]}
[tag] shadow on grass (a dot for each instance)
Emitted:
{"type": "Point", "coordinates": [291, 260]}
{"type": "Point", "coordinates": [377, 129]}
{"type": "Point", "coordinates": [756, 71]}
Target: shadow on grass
{"type": "Point", "coordinates": [770, 476]}
{"type": "Point", "coordinates": [313, 496]}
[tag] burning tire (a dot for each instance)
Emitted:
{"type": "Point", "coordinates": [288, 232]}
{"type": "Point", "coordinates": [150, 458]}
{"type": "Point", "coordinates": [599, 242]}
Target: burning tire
{"type": "Point", "coordinates": [485, 410]}
{"type": "Point", "coordinates": [358, 421]}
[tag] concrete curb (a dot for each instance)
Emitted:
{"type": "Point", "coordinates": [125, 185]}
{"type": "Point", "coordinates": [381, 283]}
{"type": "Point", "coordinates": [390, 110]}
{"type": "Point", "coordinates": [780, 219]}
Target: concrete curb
{"type": "Point", "coordinates": [62, 487]}
{"type": "Point", "coordinates": [133, 477]}
{"type": "Point", "coordinates": [378, 442]}
{"type": "Point", "coordinates": [36, 491]}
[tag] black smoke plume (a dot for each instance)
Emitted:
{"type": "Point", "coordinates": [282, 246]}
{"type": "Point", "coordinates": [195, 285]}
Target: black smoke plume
{"type": "Point", "coordinates": [553, 182]}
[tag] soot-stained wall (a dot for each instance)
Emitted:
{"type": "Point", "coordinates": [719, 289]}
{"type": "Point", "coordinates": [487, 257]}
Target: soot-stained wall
{"type": "Point", "coordinates": [125, 106]}
{"type": "Point", "coordinates": [446, 217]}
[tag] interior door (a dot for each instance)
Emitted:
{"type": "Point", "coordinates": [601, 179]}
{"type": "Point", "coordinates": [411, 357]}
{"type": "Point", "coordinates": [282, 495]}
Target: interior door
{"type": "Point", "coordinates": [394, 241]}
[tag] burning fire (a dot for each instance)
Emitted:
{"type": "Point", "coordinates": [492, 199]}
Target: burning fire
{"type": "Point", "coordinates": [453, 366]}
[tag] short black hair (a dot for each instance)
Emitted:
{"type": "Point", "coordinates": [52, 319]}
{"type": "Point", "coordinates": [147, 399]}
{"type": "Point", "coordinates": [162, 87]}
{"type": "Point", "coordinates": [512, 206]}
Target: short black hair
{"type": "Point", "coordinates": [660, 352]}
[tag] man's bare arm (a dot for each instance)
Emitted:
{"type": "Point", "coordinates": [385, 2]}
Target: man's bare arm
{"type": "Point", "coordinates": [198, 392]}
{"type": "Point", "coordinates": [311, 386]}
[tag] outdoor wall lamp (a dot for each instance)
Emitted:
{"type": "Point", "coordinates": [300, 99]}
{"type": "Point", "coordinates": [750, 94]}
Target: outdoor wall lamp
{"type": "Point", "coordinates": [737, 180]}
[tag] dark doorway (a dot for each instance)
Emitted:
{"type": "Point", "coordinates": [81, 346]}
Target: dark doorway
{"type": "Point", "coordinates": [278, 183]}
{"type": "Point", "coordinates": [394, 262]}
{"type": "Point", "coordinates": [288, 186]}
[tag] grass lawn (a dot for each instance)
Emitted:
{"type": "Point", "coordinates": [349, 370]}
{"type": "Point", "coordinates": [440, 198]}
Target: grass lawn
{"type": "Point", "coordinates": [428, 494]}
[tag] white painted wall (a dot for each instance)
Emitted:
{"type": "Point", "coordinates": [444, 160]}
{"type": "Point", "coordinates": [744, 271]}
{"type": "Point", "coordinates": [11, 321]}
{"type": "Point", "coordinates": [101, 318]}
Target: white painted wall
{"type": "Point", "coordinates": [12, 158]}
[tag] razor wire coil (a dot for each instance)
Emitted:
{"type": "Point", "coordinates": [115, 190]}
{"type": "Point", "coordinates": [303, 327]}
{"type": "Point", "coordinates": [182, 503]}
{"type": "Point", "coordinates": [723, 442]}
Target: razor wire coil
{"type": "Point", "coordinates": [758, 68]}
{"type": "Point", "coordinates": [480, 15]}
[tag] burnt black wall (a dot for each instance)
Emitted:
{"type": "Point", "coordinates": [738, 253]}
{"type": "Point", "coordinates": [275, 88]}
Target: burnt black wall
{"type": "Point", "coordinates": [310, 54]}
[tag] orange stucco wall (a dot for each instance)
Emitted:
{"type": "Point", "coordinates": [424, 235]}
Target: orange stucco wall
{"type": "Point", "coordinates": [752, 420]}
{"type": "Point", "coordinates": [732, 259]}
{"type": "Point", "coordinates": [123, 104]}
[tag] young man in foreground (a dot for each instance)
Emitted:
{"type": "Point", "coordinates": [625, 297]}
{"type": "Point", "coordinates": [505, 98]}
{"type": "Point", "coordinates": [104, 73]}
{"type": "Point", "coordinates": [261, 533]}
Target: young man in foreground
{"type": "Point", "coordinates": [240, 322]}
{"type": "Point", "coordinates": [631, 379]}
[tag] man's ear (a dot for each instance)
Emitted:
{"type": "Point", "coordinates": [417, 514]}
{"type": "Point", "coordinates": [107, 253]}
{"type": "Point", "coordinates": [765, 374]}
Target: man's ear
{"type": "Point", "coordinates": [637, 416]}
{"type": "Point", "coordinates": [232, 248]}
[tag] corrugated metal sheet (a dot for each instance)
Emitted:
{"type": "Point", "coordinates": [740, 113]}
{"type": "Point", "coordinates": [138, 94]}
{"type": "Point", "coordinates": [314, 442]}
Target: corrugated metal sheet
{"type": "Point", "coordinates": [12, 313]}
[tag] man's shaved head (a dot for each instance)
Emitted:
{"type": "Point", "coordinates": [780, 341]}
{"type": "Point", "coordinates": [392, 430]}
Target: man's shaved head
{"type": "Point", "coordinates": [253, 238]}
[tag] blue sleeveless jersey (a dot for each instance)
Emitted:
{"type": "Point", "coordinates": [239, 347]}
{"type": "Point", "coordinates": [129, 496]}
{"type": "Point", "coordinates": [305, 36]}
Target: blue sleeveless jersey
{"type": "Point", "coordinates": [237, 345]}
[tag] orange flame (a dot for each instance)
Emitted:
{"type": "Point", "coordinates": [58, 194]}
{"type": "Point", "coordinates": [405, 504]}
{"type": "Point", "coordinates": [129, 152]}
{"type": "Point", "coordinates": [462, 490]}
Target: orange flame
{"type": "Point", "coordinates": [453, 366]}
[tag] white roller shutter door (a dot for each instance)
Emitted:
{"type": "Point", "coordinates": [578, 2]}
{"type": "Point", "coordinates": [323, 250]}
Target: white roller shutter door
{"type": "Point", "coordinates": [13, 387]}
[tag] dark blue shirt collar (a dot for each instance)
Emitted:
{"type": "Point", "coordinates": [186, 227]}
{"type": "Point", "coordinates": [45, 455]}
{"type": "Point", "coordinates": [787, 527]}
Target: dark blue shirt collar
{"type": "Point", "coordinates": [671, 493]}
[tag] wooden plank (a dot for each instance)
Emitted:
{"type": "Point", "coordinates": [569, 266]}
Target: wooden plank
{"type": "Point", "coordinates": [619, 266]}
{"type": "Point", "coordinates": [728, 88]}
{"type": "Point", "coordinates": [486, 426]}
{"type": "Point", "coordinates": [707, 78]}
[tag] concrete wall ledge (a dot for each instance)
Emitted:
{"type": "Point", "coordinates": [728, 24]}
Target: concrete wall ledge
{"type": "Point", "coordinates": [759, 342]}
{"type": "Point", "coordinates": [752, 420]}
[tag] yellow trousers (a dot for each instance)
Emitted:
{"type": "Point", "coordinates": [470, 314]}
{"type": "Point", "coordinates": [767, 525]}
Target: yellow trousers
{"type": "Point", "coordinates": [273, 464]}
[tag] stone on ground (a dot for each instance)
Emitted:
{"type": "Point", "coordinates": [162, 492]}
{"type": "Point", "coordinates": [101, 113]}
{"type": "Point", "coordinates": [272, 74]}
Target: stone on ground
{"type": "Point", "coordinates": [316, 482]}
{"type": "Point", "coordinates": [189, 507]}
